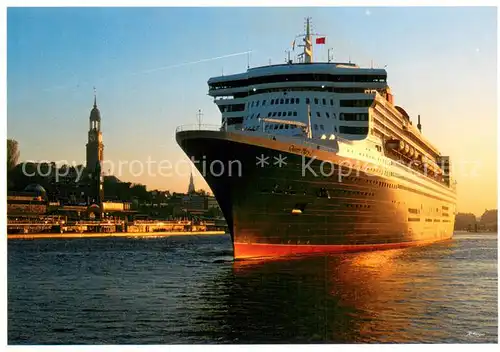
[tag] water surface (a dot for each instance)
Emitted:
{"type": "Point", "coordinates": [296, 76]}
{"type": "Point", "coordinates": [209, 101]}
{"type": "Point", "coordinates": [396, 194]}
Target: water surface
{"type": "Point", "coordinates": [187, 289]}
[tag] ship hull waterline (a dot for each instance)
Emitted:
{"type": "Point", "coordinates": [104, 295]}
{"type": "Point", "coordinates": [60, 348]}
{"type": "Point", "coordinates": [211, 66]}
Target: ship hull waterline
{"type": "Point", "coordinates": [289, 204]}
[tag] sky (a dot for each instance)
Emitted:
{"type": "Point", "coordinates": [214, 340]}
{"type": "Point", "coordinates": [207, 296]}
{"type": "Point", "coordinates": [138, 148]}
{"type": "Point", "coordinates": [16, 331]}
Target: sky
{"type": "Point", "coordinates": [150, 68]}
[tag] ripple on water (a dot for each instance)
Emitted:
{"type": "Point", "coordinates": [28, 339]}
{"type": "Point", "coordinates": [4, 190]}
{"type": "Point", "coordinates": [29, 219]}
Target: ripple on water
{"type": "Point", "coordinates": [189, 290]}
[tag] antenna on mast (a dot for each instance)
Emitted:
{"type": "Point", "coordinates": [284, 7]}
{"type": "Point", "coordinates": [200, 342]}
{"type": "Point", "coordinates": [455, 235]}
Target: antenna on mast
{"type": "Point", "coordinates": [308, 42]}
{"type": "Point", "coordinates": [307, 55]}
{"type": "Point", "coordinates": [199, 115]}
{"type": "Point", "coordinates": [309, 129]}
{"type": "Point", "coordinates": [329, 57]}
{"type": "Point", "coordinates": [248, 59]}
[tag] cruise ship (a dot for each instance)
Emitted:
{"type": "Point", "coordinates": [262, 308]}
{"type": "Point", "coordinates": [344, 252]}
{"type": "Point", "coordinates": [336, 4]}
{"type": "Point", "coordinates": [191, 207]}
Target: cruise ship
{"type": "Point", "coordinates": [317, 157]}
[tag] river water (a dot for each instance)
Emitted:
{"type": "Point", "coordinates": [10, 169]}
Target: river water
{"type": "Point", "coordinates": [187, 289]}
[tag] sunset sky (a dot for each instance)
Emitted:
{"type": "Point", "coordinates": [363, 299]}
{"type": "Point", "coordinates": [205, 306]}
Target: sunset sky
{"type": "Point", "coordinates": [150, 67]}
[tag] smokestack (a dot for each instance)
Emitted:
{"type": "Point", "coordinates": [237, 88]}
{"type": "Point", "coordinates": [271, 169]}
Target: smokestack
{"type": "Point", "coordinates": [419, 126]}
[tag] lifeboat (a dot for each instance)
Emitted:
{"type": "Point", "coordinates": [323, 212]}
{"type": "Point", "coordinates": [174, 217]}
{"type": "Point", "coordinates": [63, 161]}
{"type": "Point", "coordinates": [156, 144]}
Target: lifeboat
{"type": "Point", "coordinates": [412, 152]}
{"type": "Point", "coordinates": [416, 156]}
{"type": "Point", "coordinates": [401, 146]}
{"type": "Point", "coordinates": [431, 168]}
{"type": "Point", "coordinates": [392, 144]}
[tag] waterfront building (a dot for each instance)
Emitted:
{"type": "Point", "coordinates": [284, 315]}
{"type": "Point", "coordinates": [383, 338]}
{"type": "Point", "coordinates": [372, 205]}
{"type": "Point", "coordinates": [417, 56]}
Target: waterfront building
{"type": "Point", "coordinates": [32, 201]}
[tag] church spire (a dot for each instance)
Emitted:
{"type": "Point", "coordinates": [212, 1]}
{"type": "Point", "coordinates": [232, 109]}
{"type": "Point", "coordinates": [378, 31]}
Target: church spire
{"type": "Point", "coordinates": [95, 99]}
{"type": "Point", "coordinates": [191, 188]}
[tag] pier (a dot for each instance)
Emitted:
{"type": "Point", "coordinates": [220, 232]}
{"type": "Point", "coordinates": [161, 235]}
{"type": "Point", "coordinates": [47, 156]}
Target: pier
{"type": "Point", "coordinates": [31, 236]}
{"type": "Point", "coordinates": [60, 227]}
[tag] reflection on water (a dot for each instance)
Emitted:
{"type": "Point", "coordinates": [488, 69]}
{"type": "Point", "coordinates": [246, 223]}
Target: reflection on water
{"type": "Point", "coordinates": [186, 290]}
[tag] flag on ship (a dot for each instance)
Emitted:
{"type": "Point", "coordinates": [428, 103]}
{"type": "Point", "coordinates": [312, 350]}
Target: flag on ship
{"type": "Point", "coordinates": [321, 40]}
{"type": "Point", "coordinates": [293, 45]}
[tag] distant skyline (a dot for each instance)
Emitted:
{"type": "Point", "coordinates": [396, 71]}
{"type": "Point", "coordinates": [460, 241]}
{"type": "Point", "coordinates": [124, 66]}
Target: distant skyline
{"type": "Point", "coordinates": [150, 67]}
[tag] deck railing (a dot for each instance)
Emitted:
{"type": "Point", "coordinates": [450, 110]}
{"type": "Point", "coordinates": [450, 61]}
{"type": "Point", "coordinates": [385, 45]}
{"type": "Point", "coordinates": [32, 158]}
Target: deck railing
{"type": "Point", "coordinates": [198, 127]}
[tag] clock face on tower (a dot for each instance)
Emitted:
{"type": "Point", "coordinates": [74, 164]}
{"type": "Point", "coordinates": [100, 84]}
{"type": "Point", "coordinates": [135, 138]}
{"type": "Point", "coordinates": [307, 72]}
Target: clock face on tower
{"type": "Point", "coordinates": [92, 138]}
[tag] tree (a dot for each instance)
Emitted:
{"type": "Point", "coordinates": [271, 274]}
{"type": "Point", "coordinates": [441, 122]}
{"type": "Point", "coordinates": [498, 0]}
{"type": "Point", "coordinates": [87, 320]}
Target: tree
{"type": "Point", "coordinates": [201, 192]}
{"type": "Point", "coordinates": [464, 221]}
{"type": "Point", "coordinates": [12, 154]}
{"type": "Point", "coordinates": [489, 220]}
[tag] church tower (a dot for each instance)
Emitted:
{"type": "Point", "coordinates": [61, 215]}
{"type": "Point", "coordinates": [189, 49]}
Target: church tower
{"type": "Point", "coordinates": [191, 188]}
{"type": "Point", "coordinates": [95, 150]}
{"type": "Point", "coordinates": [95, 147]}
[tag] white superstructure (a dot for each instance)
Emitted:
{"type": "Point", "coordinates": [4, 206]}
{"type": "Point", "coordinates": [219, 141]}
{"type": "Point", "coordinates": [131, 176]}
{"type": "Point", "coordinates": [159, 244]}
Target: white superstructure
{"type": "Point", "coordinates": [385, 185]}
{"type": "Point", "coordinates": [326, 101]}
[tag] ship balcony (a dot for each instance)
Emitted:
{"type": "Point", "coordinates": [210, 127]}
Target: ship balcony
{"type": "Point", "coordinates": [198, 127]}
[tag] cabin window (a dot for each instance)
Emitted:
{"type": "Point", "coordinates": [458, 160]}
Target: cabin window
{"type": "Point", "coordinates": [263, 102]}
{"type": "Point", "coordinates": [322, 127]}
{"type": "Point", "coordinates": [315, 101]}
{"type": "Point", "coordinates": [297, 100]}
{"type": "Point", "coordinates": [318, 114]}
{"type": "Point", "coordinates": [327, 115]}
{"type": "Point", "coordinates": [274, 114]}
{"type": "Point", "coordinates": [295, 113]}
{"type": "Point", "coordinates": [331, 102]}
{"type": "Point", "coordinates": [252, 104]}
{"type": "Point", "coordinates": [279, 113]}
{"type": "Point", "coordinates": [275, 127]}
{"type": "Point", "coordinates": [257, 103]}
{"type": "Point", "coordinates": [308, 101]}
{"type": "Point", "coordinates": [281, 127]}
{"type": "Point", "coordinates": [282, 101]}
{"type": "Point", "coordinates": [353, 130]}
{"type": "Point", "coordinates": [356, 103]}
{"type": "Point", "coordinates": [258, 115]}
{"type": "Point", "coordinates": [354, 117]}
{"type": "Point", "coordinates": [335, 128]}
{"type": "Point", "coordinates": [315, 127]}
{"type": "Point", "coordinates": [286, 127]}
{"type": "Point", "coordinates": [324, 101]}
{"type": "Point", "coordinates": [289, 113]}
{"type": "Point", "coordinates": [272, 101]}
{"type": "Point", "coordinates": [287, 101]}
{"type": "Point", "coordinates": [269, 114]}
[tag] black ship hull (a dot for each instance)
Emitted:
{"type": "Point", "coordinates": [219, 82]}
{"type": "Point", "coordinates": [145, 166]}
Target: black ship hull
{"type": "Point", "coordinates": [283, 199]}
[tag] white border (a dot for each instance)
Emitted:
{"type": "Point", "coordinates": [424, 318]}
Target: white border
{"type": "Point", "coordinates": [255, 3]}
{"type": "Point", "coordinates": [186, 3]}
